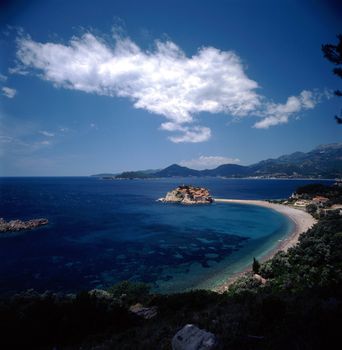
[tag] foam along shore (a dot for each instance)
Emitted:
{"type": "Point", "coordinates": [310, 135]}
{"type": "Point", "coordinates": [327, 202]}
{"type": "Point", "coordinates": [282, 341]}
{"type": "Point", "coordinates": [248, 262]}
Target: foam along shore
{"type": "Point", "coordinates": [302, 221]}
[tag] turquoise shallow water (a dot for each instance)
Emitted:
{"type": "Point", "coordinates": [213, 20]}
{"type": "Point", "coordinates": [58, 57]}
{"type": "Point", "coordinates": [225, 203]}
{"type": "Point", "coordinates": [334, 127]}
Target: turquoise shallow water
{"type": "Point", "coordinates": [102, 232]}
{"type": "Point", "coordinates": [257, 231]}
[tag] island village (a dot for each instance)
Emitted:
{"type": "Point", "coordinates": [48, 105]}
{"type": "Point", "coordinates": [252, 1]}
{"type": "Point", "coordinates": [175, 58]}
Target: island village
{"type": "Point", "coordinates": [188, 195]}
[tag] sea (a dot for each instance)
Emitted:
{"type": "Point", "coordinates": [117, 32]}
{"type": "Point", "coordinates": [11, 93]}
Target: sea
{"type": "Point", "coordinates": [101, 232]}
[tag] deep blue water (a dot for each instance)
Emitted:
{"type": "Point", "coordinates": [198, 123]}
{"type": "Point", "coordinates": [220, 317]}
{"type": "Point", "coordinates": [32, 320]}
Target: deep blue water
{"type": "Point", "coordinates": [102, 232]}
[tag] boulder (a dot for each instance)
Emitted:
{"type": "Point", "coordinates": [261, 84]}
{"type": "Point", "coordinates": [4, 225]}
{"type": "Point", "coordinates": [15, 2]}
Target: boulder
{"type": "Point", "coordinates": [191, 337]}
{"type": "Point", "coordinates": [142, 311]}
{"type": "Point", "coordinates": [259, 278]}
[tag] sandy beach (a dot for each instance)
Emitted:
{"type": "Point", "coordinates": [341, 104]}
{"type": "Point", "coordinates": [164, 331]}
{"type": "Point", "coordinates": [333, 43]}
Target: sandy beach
{"type": "Point", "coordinates": [301, 219]}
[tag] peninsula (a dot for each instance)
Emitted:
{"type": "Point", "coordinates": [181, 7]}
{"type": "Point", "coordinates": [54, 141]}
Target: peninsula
{"type": "Point", "coordinates": [304, 208]}
{"type": "Point", "coordinates": [188, 195]}
{"type": "Point", "coordinates": [18, 225]}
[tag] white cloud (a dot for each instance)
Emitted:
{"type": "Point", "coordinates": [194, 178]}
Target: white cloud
{"type": "Point", "coordinates": [8, 92]}
{"type": "Point", "coordinates": [3, 77]}
{"type": "Point", "coordinates": [37, 146]}
{"type": "Point", "coordinates": [208, 162]}
{"type": "Point", "coordinates": [63, 129]}
{"type": "Point", "coordinates": [275, 114]}
{"type": "Point", "coordinates": [194, 134]}
{"type": "Point", "coordinates": [6, 139]}
{"type": "Point", "coordinates": [19, 69]}
{"type": "Point", "coordinates": [187, 134]}
{"type": "Point", "coordinates": [44, 143]}
{"type": "Point", "coordinates": [17, 139]}
{"type": "Point", "coordinates": [163, 81]}
{"type": "Point", "coordinates": [46, 133]}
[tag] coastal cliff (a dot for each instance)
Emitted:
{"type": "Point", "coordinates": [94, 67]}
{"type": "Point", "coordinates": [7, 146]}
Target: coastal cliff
{"type": "Point", "coordinates": [188, 195]}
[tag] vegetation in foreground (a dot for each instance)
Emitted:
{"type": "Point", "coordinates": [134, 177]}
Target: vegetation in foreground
{"type": "Point", "coordinates": [299, 307]}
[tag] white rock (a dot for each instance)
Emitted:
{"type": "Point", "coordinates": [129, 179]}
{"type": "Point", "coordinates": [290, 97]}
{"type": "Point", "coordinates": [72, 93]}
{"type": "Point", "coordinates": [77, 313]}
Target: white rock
{"type": "Point", "coordinates": [191, 337]}
{"type": "Point", "coordinates": [145, 312]}
{"type": "Point", "coordinates": [101, 294]}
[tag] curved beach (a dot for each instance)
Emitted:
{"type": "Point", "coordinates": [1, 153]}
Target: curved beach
{"type": "Point", "coordinates": [302, 222]}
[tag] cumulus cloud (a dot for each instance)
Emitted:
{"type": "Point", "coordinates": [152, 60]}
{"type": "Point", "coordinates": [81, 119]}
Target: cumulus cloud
{"type": "Point", "coordinates": [8, 92]}
{"type": "Point", "coordinates": [208, 162]}
{"type": "Point", "coordinates": [275, 114]}
{"type": "Point", "coordinates": [187, 134]}
{"type": "Point", "coordinates": [163, 81]}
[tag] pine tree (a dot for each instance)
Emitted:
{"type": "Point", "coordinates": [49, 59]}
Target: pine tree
{"type": "Point", "coordinates": [333, 53]}
{"type": "Point", "coordinates": [256, 266]}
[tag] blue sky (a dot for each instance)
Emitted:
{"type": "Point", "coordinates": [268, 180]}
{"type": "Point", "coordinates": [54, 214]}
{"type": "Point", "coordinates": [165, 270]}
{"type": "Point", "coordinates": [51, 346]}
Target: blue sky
{"type": "Point", "coordinates": [107, 86]}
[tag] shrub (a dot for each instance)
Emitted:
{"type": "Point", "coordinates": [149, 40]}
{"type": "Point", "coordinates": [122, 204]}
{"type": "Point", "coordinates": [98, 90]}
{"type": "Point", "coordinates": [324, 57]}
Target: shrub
{"type": "Point", "coordinates": [130, 292]}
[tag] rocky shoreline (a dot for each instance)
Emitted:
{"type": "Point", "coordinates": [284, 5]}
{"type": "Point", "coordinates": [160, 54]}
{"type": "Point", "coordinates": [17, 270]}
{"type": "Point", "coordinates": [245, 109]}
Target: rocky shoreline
{"type": "Point", "coordinates": [18, 225]}
{"type": "Point", "coordinates": [186, 194]}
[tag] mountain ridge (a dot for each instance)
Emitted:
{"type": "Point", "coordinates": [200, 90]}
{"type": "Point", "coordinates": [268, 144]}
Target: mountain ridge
{"type": "Point", "coordinates": [324, 161]}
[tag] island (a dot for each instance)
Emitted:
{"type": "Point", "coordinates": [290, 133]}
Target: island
{"type": "Point", "coordinates": [18, 225]}
{"type": "Point", "coordinates": [187, 194]}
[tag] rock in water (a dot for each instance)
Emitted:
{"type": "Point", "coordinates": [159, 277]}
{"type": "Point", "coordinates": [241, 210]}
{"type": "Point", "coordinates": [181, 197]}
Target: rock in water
{"type": "Point", "coordinates": [191, 337]}
{"type": "Point", "coordinates": [18, 225]}
{"type": "Point", "coordinates": [188, 195]}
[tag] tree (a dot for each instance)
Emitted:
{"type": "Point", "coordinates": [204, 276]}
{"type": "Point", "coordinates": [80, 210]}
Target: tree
{"type": "Point", "coordinates": [311, 209]}
{"type": "Point", "coordinates": [333, 53]}
{"type": "Point", "coordinates": [256, 266]}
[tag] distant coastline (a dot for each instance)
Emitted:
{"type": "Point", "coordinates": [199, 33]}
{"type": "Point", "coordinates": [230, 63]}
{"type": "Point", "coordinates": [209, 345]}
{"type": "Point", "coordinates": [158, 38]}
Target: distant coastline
{"type": "Point", "coordinates": [323, 162]}
{"type": "Point", "coordinates": [301, 220]}
{"type": "Point", "coordinates": [112, 178]}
